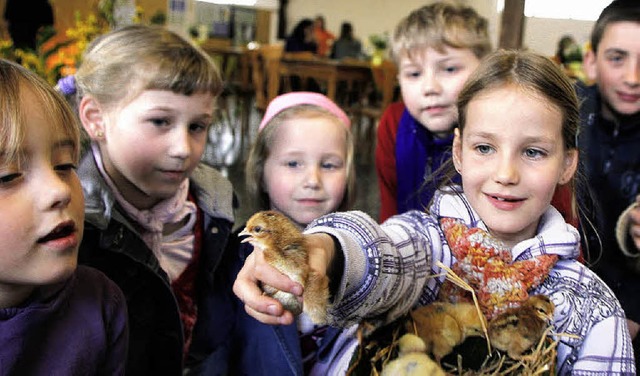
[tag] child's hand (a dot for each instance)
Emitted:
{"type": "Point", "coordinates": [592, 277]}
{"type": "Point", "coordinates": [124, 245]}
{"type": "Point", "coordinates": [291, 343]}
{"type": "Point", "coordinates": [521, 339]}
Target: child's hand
{"type": "Point", "coordinates": [262, 307]}
{"type": "Point", "coordinates": [256, 271]}
{"type": "Point", "coordinates": [634, 223]}
{"type": "Point", "coordinates": [320, 248]}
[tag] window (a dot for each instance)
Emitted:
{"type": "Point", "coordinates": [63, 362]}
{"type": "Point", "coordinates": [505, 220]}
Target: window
{"type": "Point", "coordinates": [231, 2]}
{"type": "Point", "coordinates": [562, 9]}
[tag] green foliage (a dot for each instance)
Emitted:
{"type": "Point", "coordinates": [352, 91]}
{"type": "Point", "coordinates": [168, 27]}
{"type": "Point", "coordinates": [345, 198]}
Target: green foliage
{"type": "Point", "coordinates": [572, 53]}
{"type": "Point", "coordinates": [379, 41]}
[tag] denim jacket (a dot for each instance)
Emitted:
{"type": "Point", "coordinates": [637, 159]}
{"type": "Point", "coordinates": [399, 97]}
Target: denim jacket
{"type": "Point", "coordinates": [112, 244]}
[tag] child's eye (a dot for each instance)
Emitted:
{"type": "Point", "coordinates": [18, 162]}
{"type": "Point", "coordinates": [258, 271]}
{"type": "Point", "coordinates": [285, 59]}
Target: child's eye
{"type": "Point", "coordinates": [616, 57]}
{"type": "Point", "coordinates": [159, 122]}
{"type": "Point", "coordinates": [65, 167]}
{"type": "Point", "coordinates": [484, 149]}
{"type": "Point", "coordinates": [198, 127]}
{"type": "Point", "coordinates": [8, 178]}
{"type": "Point", "coordinates": [452, 69]}
{"type": "Point", "coordinates": [331, 165]}
{"type": "Point", "coordinates": [411, 74]}
{"type": "Point", "coordinates": [292, 164]}
{"type": "Point", "coordinates": [534, 153]}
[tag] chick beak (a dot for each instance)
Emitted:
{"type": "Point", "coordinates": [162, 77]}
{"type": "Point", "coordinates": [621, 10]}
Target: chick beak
{"type": "Point", "coordinates": [246, 233]}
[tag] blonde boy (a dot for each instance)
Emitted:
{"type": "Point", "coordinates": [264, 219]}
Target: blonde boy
{"type": "Point", "coordinates": [436, 47]}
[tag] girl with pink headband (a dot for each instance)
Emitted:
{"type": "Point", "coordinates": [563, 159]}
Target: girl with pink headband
{"type": "Point", "coordinates": [301, 165]}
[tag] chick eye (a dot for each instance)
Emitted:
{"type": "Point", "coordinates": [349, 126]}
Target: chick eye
{"type": "Point", "coordinates": [257, 229]}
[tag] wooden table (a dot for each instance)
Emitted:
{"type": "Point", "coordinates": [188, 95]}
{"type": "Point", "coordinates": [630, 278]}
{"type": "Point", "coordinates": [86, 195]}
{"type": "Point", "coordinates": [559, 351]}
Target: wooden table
{"type": "Point", "coordinates": [322, 70]}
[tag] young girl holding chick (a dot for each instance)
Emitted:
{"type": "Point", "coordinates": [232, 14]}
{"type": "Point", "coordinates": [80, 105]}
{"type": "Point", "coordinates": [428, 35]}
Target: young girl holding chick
{"type": "Point", "coordinates": [301, 165]}
{"type": "Point", "coordinates": [56, 318]}
{"type": "Point", "coordinates": [518, 118]}
{"type": "Point", "coordinates": [157, 219]}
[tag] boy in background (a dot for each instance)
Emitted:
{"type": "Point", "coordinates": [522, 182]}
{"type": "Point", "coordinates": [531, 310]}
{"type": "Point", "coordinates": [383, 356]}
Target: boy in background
{"type": "Point", "coordinates": [436, 47]}
{"type": "Point", "coordinates": [610, 155]}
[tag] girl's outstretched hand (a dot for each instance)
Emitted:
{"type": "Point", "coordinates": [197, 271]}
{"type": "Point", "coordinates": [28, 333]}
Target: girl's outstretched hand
{"type": "Point", "coordinates": [256, 270]}
{"type": "Point", "coordinates": [247, 288]}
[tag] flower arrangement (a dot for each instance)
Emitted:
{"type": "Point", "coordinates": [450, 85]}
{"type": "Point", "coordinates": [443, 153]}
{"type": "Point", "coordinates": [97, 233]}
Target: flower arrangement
{"type": "Point", "coordinates": [57, 55]}
{"type": "Point", "coordinates": [40, 60]}
{"type": "Point", "coordinates": [379, 41]}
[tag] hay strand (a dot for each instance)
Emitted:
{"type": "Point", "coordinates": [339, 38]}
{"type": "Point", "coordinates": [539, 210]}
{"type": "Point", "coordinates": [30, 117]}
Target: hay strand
{"type": "Point", "coordinates": [456, 280]}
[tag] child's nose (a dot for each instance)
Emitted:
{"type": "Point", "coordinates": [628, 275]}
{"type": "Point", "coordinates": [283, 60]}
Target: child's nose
{"type": "Point", "coordinates": [430, 83]}
{"type": "Point", "coordinates": [506, 171]}
{"type": "Point", "coordinates": [312, 177]}
{"type": "Point", "coordinates": [180, 144]}
{"type": "Point", "coordinates": [55, 190]}
{"type": "Point", "coordinates": [632, 74]}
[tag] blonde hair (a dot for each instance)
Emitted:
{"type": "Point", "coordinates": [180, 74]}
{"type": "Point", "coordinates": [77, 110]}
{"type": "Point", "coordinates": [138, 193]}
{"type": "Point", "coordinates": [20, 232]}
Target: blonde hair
{"type": "Point", "coordinates": [254, 168]}
{"type": "Point", "coordinates": [14, 80]}
{"type": "Point", "coordinates": [123, 63]}
{"type": "Point", "coordinates": [438, 25]}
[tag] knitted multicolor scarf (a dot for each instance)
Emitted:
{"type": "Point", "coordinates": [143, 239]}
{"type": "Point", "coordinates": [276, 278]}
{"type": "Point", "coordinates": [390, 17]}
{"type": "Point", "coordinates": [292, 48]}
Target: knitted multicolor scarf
{"type": "Point", "coordinates": [486, 264]}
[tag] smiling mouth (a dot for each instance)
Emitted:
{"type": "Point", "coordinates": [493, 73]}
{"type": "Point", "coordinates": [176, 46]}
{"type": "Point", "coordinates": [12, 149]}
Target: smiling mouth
{"type": "Point", "coordinates": [628, 97]}
{"type": "Point", "coordinates": [505, 199]}
{"type": "Point", "coordinates": [310, 201]}
{"type": "Point", "coordinates": [59, 232]}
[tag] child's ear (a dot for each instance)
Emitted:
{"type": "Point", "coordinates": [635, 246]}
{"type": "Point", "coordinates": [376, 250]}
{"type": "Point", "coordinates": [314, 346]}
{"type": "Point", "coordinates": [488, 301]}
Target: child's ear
{"type": "Point", "coordinates": [92, 117]}
{"type": "Point", "coordinates": [589, 65]}
{"type": "Point", "coordinates": [570, 166]}
{"type": "Point", "coordinates": [457, 150]}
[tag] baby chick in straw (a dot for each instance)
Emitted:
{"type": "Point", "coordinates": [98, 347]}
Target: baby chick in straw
{"type": "Point", "coordinates": [412, 360]}
{"type": "Point", "coordinates": [443, 326]}
{"type": "Point", "coordinates": [519, 329]}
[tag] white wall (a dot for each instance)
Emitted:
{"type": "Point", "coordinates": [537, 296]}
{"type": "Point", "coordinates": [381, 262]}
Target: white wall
{"type": "Point", "coordinates": [376, 16]}
{"type": "Point", "coordinates": [542, 34]}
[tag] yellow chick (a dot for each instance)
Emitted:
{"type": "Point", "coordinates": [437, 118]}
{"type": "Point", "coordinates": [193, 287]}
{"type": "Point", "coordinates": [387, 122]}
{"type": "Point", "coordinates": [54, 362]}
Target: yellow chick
{"type": "Point", "coordinates": [412, 360]}
{"type": "Point", "coordinates": [285, 249]}
{"type": "Point", "coordinates": [442, 326]}
{"type": "Point", "coordinates": [519, 329]}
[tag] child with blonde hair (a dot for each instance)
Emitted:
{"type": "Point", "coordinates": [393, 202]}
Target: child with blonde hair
{"type": "Point", "coordinates": [157, 219]}
{"type": "Point", "coordinates": [436, 47]}
{"type": "Point", "coordinates": [56, 317]}
{"type": "Point", "coordinates": [301, 165]}
{"type": "Point", "coordinates": [515, 143]}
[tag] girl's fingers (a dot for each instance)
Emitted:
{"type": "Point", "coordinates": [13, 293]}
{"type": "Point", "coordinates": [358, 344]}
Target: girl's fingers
{"type": "Point", "coordinates": [285, 319]}
{"type": "Point", "coordinates": [267, 274]}
{"type": "Point", "coordinates": [247, 288]}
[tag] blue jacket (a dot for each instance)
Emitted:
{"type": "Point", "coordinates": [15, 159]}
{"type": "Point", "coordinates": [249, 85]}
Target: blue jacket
{"type": "Point", "coordinates": [112, 245]}
{"type": "Point", "coordinates": [610, 161]}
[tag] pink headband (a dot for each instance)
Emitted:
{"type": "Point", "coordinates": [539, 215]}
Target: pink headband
{"type": "Point", "coordinates": [288, 100]}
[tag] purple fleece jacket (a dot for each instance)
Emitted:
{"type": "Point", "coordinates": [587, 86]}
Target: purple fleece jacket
{"type": "Point", "coordinates": [78, 327]}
